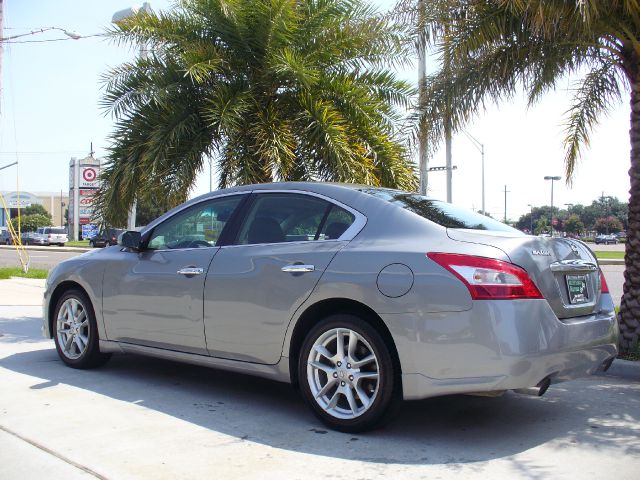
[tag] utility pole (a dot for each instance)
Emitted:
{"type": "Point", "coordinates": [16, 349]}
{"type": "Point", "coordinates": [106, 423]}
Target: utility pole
{"type": "Point", "coordinates": [505, 203]}
{"type": "Point", "coordinates": [530, 217]}
{"type": "Point", "coordinates": [480, 147]}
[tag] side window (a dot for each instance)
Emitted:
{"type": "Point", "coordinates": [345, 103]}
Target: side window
{"type": "Point", "coordinates": [337, 222]}
{"type": "Point", "coordinates": [288, 217]}
{"type": "Point", "coordinates": [198, 227]}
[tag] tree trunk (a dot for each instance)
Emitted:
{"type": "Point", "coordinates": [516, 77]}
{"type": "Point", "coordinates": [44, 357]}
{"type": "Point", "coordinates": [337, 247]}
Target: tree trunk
{"type": "Point", "coordinates": [629, 317]}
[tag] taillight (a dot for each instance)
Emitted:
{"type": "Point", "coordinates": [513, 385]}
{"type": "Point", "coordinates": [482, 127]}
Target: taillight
{"type": "Point", "coordinates": [488, 278]}
{"type": "Point", "coordinates": [604, 288]}
{"type": "Point", "coordinates": [49, 236]}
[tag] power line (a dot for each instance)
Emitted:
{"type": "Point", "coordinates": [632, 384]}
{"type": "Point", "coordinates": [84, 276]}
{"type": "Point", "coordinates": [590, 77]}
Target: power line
{"type": "Point", "coordinates": [53, 39]}
{"type": "Point", "coordinates": [42, 152]}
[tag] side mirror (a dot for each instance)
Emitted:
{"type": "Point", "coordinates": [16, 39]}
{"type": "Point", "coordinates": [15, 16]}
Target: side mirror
{"type": "Point", "coordinates": [130, 239]}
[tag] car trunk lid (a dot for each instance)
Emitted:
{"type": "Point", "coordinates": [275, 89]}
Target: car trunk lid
{"type": "Point", "coordinates": [564, 270]}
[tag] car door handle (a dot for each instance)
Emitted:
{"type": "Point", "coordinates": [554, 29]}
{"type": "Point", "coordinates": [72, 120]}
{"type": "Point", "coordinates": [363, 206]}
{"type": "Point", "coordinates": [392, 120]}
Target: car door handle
{"type": "Point", "coordinates": [188, 271]}
{"type": "Point", "coordinates": [298, 268]}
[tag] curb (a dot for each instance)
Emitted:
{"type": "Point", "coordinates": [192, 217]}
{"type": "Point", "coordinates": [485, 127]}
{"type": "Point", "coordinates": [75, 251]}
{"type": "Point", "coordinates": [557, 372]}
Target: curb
{"type": "Point", "coordinates": [611, 261]}
{"type": "Point", "coordinates": [38, 248]}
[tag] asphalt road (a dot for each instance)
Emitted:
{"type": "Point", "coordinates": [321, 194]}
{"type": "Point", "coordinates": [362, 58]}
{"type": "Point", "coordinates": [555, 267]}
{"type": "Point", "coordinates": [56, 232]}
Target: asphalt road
{"type": "Point", "coordinates": [139, 418]}
{"type": "Point", "coordinates": [46, 259]}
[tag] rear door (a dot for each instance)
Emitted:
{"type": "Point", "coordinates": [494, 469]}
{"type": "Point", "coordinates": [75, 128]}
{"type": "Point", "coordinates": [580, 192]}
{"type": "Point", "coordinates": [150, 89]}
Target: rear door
{"type": "Point", "coordinates": [255, 285]}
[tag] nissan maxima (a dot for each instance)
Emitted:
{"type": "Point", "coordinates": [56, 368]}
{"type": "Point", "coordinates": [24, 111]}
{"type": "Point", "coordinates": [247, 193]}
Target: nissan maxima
{"type": "Point", "coordinates": [359, 296]}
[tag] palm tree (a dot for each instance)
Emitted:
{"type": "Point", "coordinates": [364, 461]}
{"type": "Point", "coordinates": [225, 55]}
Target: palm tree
{"type": "Point", "coordinates": [497, 47]}
{"type": "Point", "coordinates": [271, 89]}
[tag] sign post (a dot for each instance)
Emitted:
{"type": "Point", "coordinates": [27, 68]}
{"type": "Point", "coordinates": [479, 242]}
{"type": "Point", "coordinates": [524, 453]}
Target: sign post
{"type": "Point", "coordinates": [83, 183]}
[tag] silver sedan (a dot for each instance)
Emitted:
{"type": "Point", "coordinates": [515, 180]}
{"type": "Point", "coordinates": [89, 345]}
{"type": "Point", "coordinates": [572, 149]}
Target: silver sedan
{"type": "Point", "coordinates": [359, 296]}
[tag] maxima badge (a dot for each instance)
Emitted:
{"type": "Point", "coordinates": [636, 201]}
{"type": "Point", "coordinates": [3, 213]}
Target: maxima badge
{"type": "Point", "coordinates": [544, 253]}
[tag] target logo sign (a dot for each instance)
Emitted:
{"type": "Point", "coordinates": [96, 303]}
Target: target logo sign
{"type": "Point", "coordinates": [89, 175]}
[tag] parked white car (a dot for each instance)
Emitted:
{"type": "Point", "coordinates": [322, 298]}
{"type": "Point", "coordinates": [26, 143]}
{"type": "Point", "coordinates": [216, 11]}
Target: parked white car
{"type": "Point", "coordinates": [54, 235]}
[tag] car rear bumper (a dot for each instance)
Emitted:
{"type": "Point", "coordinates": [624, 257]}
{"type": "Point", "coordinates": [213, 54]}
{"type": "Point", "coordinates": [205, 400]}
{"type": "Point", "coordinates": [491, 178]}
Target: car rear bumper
{"type": "Point", "coordinates": [499, 345]}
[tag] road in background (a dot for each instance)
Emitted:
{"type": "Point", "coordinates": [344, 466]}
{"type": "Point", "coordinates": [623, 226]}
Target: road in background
{"type": "Point", "coordinates": [618, 247]}
{"type": "Point", "coordinates": [46, 259]}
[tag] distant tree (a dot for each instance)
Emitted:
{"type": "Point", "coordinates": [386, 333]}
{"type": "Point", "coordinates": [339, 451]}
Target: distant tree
{"type": "Point", "coordinates": [36, 209]}
{"type": "Point", "coordinates": [541, 226]}
{"type": "Point", "coordinates": [608, 225]}
{"type": "Point", "coordinates": [30, 223]}
{"type": "Point", "coordinates": [573, 224]}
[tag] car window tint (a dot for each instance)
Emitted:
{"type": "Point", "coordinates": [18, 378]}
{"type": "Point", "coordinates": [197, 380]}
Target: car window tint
{"type": "Point", "coordinates": [197, 227]}
{"type": "Point", "coordinates": [283, 217]}
{"type": "Point", "coordinates": [57, 231]}
{"type": "Point", "coordinates": [442, 213]}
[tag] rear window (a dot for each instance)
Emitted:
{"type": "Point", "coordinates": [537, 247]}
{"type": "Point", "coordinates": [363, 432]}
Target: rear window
{"type": "Point", "coordinates": [57, 230]}
{"type": "Point", "coordinates": [437, 211]}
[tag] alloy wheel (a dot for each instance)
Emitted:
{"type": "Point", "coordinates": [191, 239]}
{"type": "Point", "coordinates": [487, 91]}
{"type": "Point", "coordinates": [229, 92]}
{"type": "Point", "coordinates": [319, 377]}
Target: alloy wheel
{"type": "Point", "coordinates": [72, 328]}
{"type": "Point", "coordinates": [343, 373]}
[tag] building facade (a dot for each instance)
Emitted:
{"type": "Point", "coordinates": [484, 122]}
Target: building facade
{"type": "Point", "coordinates": [54, 202]}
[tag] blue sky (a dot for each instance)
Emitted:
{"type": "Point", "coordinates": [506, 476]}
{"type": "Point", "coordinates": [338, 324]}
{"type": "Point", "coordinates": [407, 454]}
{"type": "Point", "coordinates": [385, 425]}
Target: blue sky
{"type": "Point", "coordinates": [50, 111]}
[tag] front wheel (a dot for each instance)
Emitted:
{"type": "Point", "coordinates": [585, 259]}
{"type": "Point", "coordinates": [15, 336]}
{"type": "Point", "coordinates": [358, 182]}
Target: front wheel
{"type": "Point", "coordinates": [347, 375]}
{"type": "Point", "coordinates": [76, 331]}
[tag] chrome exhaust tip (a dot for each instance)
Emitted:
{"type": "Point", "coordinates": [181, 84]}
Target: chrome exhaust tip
{"type": "Point", "coordinates": [537, 391]}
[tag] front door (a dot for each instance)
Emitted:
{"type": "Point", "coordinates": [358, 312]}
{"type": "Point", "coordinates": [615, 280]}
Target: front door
{"type": "Point", "coordinates": [155, 297]}
{"type": "Point", "coordinates": [254, 286]}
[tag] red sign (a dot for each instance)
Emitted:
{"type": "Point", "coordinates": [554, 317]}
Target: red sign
{"type": "Point", "coordinates": [86, 192]}
{"type": "Point", "coordinates": [89, 174]}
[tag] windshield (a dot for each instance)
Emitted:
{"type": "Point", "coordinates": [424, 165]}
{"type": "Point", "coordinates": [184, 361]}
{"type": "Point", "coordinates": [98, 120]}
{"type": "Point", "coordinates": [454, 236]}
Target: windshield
{"type": "Point", "coordinates": [442, 213]}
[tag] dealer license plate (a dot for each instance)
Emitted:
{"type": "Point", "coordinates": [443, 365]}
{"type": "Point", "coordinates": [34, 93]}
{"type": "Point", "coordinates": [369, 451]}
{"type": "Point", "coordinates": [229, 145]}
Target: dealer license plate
{"type": "Point", "coordinates": [577, 287]}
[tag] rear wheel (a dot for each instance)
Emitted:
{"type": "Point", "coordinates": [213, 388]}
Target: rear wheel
{"type": "Point", "coordinates": [76, 331]}
{"type": "Point", "coordinates": [346, 373]}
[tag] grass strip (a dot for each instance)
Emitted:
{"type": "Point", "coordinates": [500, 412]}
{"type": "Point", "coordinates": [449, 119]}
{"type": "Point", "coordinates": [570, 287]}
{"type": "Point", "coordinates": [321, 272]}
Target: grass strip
{"type": "Point", "coordinates": [8, 272]}
{"type": "Point", "coordinates": [609, 255]}
{"type": "Point", "coordinates": [77, 243]}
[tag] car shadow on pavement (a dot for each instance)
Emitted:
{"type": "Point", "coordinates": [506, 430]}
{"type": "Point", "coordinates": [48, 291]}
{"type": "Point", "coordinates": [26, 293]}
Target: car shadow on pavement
{"type": "Point", "coordinates": [445, 430]}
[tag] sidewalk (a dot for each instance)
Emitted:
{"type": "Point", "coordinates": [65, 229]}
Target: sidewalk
{"type": "Point", "coordinates": [21, 292]}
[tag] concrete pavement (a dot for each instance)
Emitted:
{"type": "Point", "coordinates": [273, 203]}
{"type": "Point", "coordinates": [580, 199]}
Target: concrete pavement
{"type": "Point", "coordinates": [139, 418]}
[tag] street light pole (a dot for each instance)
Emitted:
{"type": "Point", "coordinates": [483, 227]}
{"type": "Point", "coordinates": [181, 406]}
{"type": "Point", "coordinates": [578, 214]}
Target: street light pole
{"type": "Point", "coordinates": [553, 179]}
{"type": "Point", "coordinates": [480, 147]}
{"type": "Point", "coordinates": [530, 218]}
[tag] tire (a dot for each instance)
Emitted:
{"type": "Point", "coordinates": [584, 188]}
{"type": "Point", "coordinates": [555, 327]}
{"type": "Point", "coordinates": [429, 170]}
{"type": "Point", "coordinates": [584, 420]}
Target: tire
{"type": "Point", "coordinates": [76, 338]}
{"type": "Point", "coordinates": [338, 379]}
